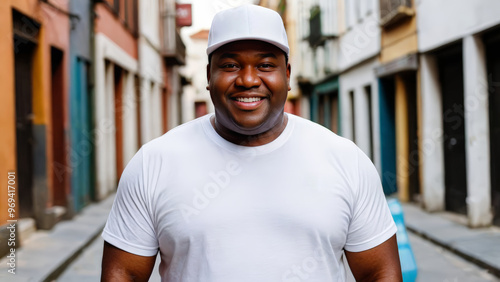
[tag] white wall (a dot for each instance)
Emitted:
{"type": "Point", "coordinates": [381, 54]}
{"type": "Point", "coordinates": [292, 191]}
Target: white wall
{"type": "Point", "coordinates": [360, 40]}
{"type": "Point", "coordinates": [355, 80]}
{"type": "Point", "coordinates": [444, 21]}
{"type": "Point", "coordinates": [314, 64]}
{"type": "Point", "coordinates": [431, 137]}
{"type": "Point", "coordinates": [107, 50]}
{"type": "Point", "coordinates": [195, 69]}
{"type": "Point", "coordinates": [149, 21]}
{"type": "Point", "coordinates": [150, 70]}
{"type": "Point", "coordinates": [440, 23]}
{"type": "Point", "coordinates": [355, 23]}
{"type": "Point", "coordinates": [477, 145]}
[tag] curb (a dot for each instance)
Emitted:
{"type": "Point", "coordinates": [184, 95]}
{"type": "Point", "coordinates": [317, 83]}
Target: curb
{"type": "Point", "coordinates": [469, 257]}
{"type": "Point", "coordinates": [480, 246]}
{"type": "Point", "coordinates": [46, 254]}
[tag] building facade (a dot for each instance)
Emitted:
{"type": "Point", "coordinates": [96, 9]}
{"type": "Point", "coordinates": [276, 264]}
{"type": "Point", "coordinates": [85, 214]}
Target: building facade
{"type": "Point", "coordinates": [80, 105]}
{"type": "Point", "coordinates": [34, 113]}
{"type": "Point", "coordinates": [152, 87]}
{"type": "Point", "coordinates": [415, 85]}
{"type": "Point", "coordinates": [337, 47]}
{"type": "Point", "coordinates": [116, 84]}
{"type": "Point", "coordinates": [173, 51]}
{"type": "Point", "coordinates": [86, 83]}
{"type": "Point", "coordinates": [197, 100]}
{"type": "Point", "coordinates": [314, 68]}
{"type": "Point", "coordinates": [397, 84]}
{"type": "Point", "coordinates": [459, 102]}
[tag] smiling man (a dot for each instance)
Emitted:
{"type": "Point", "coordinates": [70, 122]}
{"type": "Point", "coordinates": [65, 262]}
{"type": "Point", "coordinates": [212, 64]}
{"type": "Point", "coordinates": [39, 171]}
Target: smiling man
{"type": "Point", "coordinates": [250, 193]}
{"type": "Point", "coordinates": [248, 82]}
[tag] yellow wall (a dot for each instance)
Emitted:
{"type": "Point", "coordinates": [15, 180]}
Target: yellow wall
{"type": "Point", "coordinates": [402, 139]}
{"type": "Point", "coordinates": [399, 39]}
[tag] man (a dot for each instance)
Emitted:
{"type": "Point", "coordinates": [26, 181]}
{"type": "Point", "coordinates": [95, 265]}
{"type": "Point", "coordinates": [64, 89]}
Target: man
{"type": "Point", "coordinates": [250, 193]}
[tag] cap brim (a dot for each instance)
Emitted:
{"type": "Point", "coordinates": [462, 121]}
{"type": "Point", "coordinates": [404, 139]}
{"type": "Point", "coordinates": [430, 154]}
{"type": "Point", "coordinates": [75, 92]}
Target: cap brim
{"type": "Point", "coordinates": [214, 47]}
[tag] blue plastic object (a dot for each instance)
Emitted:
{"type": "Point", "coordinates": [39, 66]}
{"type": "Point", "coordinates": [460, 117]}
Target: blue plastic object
{"type": "Point", "coordinates": [408, 264]}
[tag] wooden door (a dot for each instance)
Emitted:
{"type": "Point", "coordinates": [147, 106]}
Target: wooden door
{"type": "Point", "coordinates": [24, 125]}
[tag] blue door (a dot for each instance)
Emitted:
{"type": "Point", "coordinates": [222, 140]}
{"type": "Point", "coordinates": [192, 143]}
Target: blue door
{"type": "Point", "coordinates": [387, 134]}
{"type": "Point", "coordinates": [81, 136]}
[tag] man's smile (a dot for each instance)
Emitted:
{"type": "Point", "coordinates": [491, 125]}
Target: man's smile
{"type": "Point", "coordinates": [248, 100]}
{"type": "Point", "coordinates": [247, 103]}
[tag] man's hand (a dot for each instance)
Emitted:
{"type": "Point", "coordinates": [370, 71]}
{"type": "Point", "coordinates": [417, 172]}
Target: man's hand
{"type": "Point", "coordinates": [378, 264]}
{"type": "Point", "coordinates": [118, 265]}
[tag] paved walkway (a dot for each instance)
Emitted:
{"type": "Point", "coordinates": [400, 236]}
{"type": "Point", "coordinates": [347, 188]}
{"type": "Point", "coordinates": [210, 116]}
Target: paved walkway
{"type": "Point", "coordinates": [46, 254]}
{"type": "Point", "coordinates": [480, 246]}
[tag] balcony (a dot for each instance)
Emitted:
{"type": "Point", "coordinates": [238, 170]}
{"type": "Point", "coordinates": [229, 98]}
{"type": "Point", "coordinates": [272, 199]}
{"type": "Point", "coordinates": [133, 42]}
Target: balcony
{"type": "Point", "coordinates": [173, 49]}
{"type": "Point", "coordinates": [316, 37]}
{"type": "Point", "coordinates": [394, 11]}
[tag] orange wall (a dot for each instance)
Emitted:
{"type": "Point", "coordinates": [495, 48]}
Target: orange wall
{"type": "Point", "coordinates": [7, 112]}
{"type": "Point", "coordinates": [109, 24]}
{"type": "Point", "coordinates": [54, 31]}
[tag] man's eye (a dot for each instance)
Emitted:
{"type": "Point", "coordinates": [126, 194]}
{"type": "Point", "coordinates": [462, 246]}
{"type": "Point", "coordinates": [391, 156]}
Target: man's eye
{"type": "Point", "coordinates": [266, 66]}
{"type": "Point", "coordinates": [229, 66]}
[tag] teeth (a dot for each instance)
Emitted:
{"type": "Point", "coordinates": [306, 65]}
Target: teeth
{"type": "Point", "coordinates": [248, 100]}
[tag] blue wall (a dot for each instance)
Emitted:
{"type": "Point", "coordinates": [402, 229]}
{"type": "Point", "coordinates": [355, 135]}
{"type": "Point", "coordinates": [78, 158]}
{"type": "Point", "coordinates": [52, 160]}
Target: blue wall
{"type": "Point", "coordinates": [81, 157]}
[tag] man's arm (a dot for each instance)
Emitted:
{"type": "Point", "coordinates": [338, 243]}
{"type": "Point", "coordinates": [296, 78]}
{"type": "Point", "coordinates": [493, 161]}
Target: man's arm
{"type": "Point", "coordinates": [377, 264]}
{"type": "Point", "coordinates": [118, 265]}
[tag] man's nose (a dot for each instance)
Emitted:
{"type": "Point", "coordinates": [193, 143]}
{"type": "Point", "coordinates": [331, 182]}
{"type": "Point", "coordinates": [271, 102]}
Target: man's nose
{"type": "Point", "coordinates": [248, 78]}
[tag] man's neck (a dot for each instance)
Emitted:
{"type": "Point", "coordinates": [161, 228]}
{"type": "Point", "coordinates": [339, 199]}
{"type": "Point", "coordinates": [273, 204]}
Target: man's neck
{"type": "Point", "coordinates": [250, 140]}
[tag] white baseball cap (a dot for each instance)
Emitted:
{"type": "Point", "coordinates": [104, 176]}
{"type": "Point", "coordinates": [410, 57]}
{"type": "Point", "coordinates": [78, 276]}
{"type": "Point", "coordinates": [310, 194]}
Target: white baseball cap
{"type": "Point", "coordinates": [247, 22]}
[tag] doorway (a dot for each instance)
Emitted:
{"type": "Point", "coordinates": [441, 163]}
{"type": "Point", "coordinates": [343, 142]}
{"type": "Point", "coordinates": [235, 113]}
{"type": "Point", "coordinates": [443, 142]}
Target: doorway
{"type": "Point", "coordinates": [60, 168]}
{"type": "Point", "coordinates": [324, 105]}
{"type": "Point", "coordinates": [493, 65]}
{"type": "Point", "coordinates": [387, 115]}
{"type": "Point", "coordinates": [327, 112]}
{"type": "Point", "coordinates": [118, 98]}
{"type": "Point", "coordinates": [450, 64]}
{"type": "Point", "coordinates": [82, 143]}
{"type": "Point", "coordinates": [410, 81]}
{"type": "Point", "coordinates": [24, 124]}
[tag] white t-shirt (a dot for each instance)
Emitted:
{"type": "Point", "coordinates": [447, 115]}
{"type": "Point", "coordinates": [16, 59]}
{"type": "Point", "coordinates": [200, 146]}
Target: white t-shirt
{"type": "Point", "coordinates": [216, 211]}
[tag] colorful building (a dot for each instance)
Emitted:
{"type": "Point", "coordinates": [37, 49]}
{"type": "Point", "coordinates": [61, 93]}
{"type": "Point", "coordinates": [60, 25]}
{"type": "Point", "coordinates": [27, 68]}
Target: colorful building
{"type": "Point", "coordinates": [117, 88]}
{"type": "Point", "coordinates": [397, 85]}
{"type": "Point", "coordinates": [314, 65]}
{"type": "Point", "coordinates": [173, 51]}
{"type": "Point", "coordinates": [152, 87]}
{"type": "Point", "coordinates": [337, 47]}
{"type": "Point", "coordinates": [417, 91]}
{"type": "Point", "coordinates": [85, 84]}
{"type": "Point", "coordinates": [459, 124]}
{"type": "Point", "coordinates": [80, 104]}
{"type": "Point", "coordinates": [35, 115]}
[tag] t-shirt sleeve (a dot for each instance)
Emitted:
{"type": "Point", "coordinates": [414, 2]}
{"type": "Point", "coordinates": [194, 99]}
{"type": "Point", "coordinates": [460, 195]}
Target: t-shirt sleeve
{"type": "Point", "coordinates": [372, 222]}
{"type": "Point", "coordinates": [130, 225]}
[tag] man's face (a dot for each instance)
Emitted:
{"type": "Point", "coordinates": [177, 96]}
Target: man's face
{"type": "Point", "coordinates": [248, 82]}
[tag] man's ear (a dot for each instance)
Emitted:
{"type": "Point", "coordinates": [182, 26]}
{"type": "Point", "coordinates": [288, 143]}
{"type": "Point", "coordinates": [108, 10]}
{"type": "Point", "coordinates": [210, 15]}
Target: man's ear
{"type": "Point", "coordinates": [208, 76]}
{"type": "Point", "coordinates": [288, 72]}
